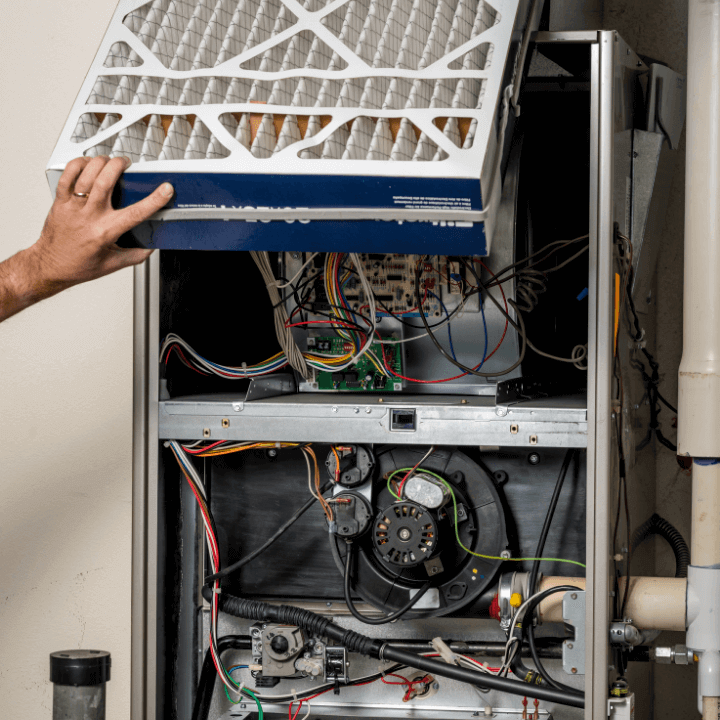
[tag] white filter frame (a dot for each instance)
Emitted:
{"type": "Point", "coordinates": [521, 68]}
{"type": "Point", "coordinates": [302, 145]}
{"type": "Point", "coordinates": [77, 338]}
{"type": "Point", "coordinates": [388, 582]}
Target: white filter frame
{"type": "Point", "coordinates": [135, 73]}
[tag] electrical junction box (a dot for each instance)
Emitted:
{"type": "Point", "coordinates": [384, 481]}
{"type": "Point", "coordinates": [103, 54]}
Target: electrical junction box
{"type": "Point", "coordinates": [322, 116]}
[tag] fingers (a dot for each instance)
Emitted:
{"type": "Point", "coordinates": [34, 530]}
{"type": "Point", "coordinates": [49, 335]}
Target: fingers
{"type": "Point", "coordinates": [104, 180]}
{"type": "Point", "coordinates": [84, 183]}
{"type": "Point", "coordinates": [66, 183]}
{"type": "Point", "coordinates": [131, 216]}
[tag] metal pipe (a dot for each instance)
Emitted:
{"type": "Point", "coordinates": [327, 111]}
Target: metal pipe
{"type": "Point", "coordinates": [653, 603]}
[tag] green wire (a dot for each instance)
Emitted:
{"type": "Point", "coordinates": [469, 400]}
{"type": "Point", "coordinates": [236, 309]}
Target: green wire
{"type": "Point", "coordinates": [244, 691]}
{"type": "Point", "coordinates": [457, 533]}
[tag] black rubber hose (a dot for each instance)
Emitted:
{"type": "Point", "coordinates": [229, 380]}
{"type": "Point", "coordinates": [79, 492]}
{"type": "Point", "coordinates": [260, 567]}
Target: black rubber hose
{"type": "Point", "coordinates": [534, 571]}
{"type": "Point", "coordinates": [354, 642]}
{"type": "Point", "coordinates": [208, 675]}
{"type": "Point", "coordinates": [349, 554]}
{"type": "Point", "coordinates": [518, 667]}
{"type": "Point", "coordinates": [656, 525]}
{"type": "Point", "coordinates": [288, 615]}
{"type": "Point", "coordinates": [275, 536]}
{"type": "Point", "coordinates": [453, 672]}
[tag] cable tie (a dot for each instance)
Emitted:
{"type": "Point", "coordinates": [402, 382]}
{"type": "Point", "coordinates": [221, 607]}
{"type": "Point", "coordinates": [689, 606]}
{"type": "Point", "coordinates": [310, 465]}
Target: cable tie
{"type": "Point", "coordinates": [445, 652]}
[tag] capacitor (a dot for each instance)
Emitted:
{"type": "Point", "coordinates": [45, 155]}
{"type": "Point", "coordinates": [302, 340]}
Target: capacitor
{"type": "Point", "coordinates": [425, 490]}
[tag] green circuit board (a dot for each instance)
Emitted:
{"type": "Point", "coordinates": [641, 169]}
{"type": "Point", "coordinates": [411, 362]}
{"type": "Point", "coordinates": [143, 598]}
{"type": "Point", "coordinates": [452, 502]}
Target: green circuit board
{"type": "Point", "coordinates": [364, 376]}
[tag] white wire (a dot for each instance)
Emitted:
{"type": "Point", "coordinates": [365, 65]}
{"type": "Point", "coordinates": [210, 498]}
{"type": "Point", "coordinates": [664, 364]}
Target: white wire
{"type": "Point", "coordinates": [310, 475]}
{"type": "Point", "coordinates": [284, 334]}
{"type": "Point", "coordinates": [298, 273]}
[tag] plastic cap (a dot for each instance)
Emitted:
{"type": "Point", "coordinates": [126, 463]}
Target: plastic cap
{"type": "Point", "coordinates": [80, 667]}
{"type": "Point", "coordinates": [516, 600]}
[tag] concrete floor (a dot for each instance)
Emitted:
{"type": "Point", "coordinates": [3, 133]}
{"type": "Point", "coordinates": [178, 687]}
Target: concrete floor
{"type": "Point", "coordinates": [658, 29]}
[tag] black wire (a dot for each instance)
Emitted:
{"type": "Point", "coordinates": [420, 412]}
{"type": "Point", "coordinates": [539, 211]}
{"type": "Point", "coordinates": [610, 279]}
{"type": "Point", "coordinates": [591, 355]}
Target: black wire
{"type": "Point", "coordinates": [569, 455]}
{"type": "Point", "coordinates": [230, 569]}
{"type": "Point", "coordinates": [442, 321]}
{"type": "Point", "coordinates": [519, 327]}
{"type": "Point", "coordinates": [517, 666]}
{"type": "Point", "coordinates": [350, 553]}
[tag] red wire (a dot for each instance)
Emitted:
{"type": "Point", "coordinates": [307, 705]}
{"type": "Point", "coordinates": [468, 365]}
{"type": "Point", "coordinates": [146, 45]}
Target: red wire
{"type": "Point", "coordinates": [331, 321]}
{"type": "Point", "coordinates": [455, 377]}
{"type": "Point", "coordinates": [206, 447]}
{"type": "Point", "coordinates": [179, 351]}
{"type": "Point", "coordinates": [402, 482]}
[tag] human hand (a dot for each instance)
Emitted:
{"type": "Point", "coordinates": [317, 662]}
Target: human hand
{"type": "Point", "coordinates": [78, 240]}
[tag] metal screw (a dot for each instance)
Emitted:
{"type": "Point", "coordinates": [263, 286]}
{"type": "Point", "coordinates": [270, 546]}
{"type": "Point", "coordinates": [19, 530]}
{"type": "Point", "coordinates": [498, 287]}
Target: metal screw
{"type": "Point", "coordinates": [329, 604]}
{"type": "Point", "coordinates": [501, 411]}
{"type": "Point", "coordinates": [636, 406]}
{"type": "Point", "coordinates": [534, 459]}
{"type": "Point", "coordinates": [573, 671]}
{"type": "Point", "coordinates": [295, 255]}
{"type": "Point", "coordinates": [334, 409]}
{"type": "Point", "coordinates": [505, 554]}
{"type": "Point", "coordinates": [272, 452]}
{"type": "Point", "coordinates": [570, 646]}
{"type": "Point", "coordinates": [574, 596]}
{"type": "Point", "coordinates": [404, 534]}
{"type": "Point", "coordinates": [356, 410]}
{"type": "Point", "coordinates": [435, 686]}
{"type": "Point", "coordinates": [237, 407]}
{"type": "Point", "coordinates": [433, 570]}
{"type": "Point", "coordinates": [380, 400]}
{"type": "Point", "coordinates": [463, 402]}
{"type": "Point", "coordinates": [368, 410]}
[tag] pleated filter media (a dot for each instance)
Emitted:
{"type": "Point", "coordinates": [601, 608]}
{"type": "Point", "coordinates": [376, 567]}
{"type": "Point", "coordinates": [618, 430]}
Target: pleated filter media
{"type": "Point", "coordinates": [237, 92]}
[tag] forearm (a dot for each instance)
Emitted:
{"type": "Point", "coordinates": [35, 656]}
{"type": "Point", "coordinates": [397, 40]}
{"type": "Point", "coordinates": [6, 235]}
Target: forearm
{"type": "Point", "coordinates": [22, 283]}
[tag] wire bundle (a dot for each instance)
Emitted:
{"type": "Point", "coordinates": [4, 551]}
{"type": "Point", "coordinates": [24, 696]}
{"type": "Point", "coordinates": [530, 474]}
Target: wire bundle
{"type": "Point", "coordinates": [284, 335]}
{"type": "Point", "coordinates": [202, 449]}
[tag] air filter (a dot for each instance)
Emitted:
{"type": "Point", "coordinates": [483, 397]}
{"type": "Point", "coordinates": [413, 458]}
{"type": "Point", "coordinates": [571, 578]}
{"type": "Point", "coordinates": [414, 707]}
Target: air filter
{"type": "Point", "coordinates": [308, 125]}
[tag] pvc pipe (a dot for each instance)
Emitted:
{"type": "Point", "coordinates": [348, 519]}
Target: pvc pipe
{"type": "Point", "coordinates": [653, 603]}
{"type": "Point", "coordinates": [699, 380]}
{"type": "Point", "coordinates": [711, 708]}
{"type": "Point", "coordinates": [705, 532]}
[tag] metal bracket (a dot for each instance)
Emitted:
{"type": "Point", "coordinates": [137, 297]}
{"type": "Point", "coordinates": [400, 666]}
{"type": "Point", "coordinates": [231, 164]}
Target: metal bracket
{"type": "Point", "coordinates": [271, 386]}
{"type": "Point", "coordinates": [574, 616]}
{"type": "Point", "coordinates": [517, 390]}
{"type": "Point", "coordinates": [624, 634]}
{"type": "Point", "coordinates": [622, 708]}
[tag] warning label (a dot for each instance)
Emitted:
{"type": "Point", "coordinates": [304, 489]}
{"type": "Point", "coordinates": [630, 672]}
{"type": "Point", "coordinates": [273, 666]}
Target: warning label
{"type": "Point", "coordinates": [432, 203]}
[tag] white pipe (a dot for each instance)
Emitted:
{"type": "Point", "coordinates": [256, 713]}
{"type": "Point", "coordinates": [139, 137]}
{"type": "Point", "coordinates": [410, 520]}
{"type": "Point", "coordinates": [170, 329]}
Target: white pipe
{"type": "Point", "coordinates": [699, 381]}
{"type": "Point", "coordinates": [705, 532]}
{"type": "Point", "coordinates": [653, 603]}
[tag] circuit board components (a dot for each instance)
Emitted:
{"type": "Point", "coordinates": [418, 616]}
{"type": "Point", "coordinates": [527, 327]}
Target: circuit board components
{"type": "Point", "coordinates": [377, 370]}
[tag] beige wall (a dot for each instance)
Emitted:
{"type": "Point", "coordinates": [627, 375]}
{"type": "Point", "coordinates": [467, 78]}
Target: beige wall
{"type": "Point", "coordinates": [65, 393]}
{"type": "Point", "coordinates": [65, 388]}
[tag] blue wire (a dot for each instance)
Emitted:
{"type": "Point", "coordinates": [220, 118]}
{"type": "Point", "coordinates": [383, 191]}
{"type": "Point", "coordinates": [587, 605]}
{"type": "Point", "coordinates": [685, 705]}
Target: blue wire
{"type": "Point", "coordinates": [442, 304]}
{"type": "Point", "coordinates": [238, 667]}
